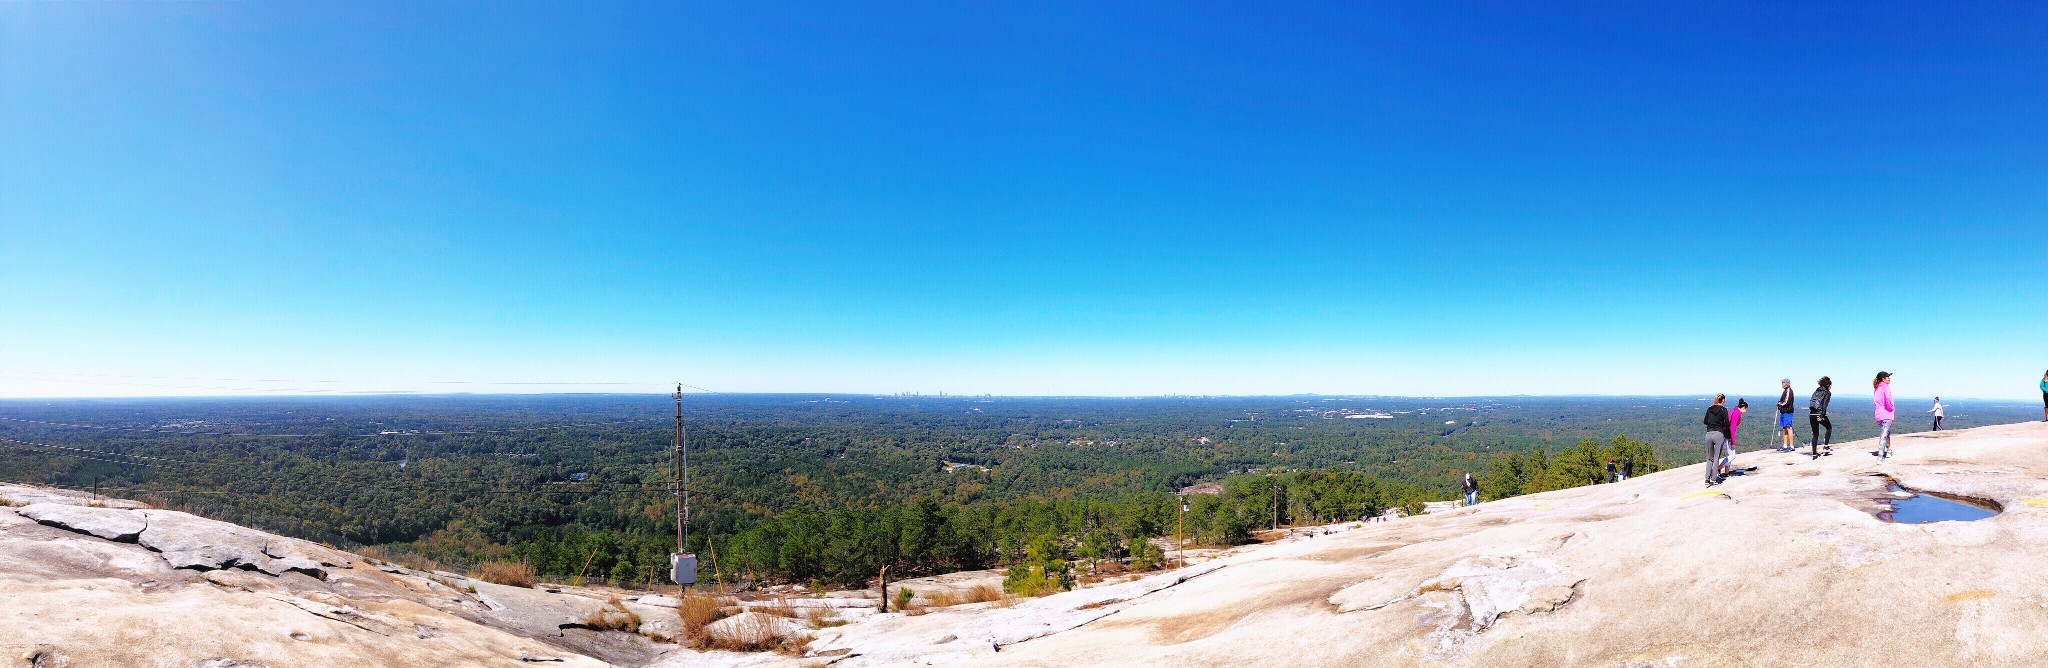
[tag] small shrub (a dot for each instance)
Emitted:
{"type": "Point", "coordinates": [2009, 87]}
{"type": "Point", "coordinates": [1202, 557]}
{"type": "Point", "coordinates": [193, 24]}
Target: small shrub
{"type": "Point", "coordinates": [508, 573]}
{"type": "Point", "coordinates": [903, 597]}
{"type": "Point", "coordinates": [376, 554]}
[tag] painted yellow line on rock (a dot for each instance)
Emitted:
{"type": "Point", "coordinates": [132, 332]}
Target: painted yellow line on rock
{"type": "Point", "coordinates": [2038, 502]}
{"type": "Point", "coordinates": [1696, 495]}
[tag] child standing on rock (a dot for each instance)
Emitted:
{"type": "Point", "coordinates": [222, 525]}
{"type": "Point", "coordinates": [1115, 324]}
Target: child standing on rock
{"type": "Point", "coordinates": [1882, 398]}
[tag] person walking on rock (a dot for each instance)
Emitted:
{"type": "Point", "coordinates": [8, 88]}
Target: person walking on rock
{"type": "Point", "coordinates": [1817, 415]}
{"type": "Point", "coordinates": [1717, 437]}
{"type": "Point", "coordinates": [1938, 412]}
{"type": "Point", "coordinates": [1881, 398]}
{"type": "Point", "coordinates": [1785, 414]}
{"type": "Point", "coordinates": [1471, 489]}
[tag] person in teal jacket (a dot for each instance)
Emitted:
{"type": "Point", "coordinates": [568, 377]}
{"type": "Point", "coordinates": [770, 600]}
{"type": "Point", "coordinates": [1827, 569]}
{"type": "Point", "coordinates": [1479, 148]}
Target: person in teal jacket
{"type": "Point", "coordinates": [2044, 395]}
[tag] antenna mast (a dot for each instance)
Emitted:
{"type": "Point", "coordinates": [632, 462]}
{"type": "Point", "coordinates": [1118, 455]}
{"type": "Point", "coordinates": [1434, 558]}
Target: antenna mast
{"type": "Point", "coordinates": [682, 565]}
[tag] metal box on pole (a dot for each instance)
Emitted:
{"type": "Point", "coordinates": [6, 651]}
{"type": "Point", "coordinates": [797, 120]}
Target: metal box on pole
{"type": "Point", "coordinates": [683, 568]}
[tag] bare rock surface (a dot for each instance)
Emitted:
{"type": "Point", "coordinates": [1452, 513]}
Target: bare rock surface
{"type": "Point", "coordinates": [1786, 567]}
{"type": "Point", "coordinates": [73, 597]}
{"type": "Point", "coordinates": [110, 523]}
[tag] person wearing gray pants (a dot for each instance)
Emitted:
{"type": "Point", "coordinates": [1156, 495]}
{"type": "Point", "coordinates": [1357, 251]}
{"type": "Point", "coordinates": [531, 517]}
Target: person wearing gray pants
{"type": "Point", "coordinates": [1717, 437]}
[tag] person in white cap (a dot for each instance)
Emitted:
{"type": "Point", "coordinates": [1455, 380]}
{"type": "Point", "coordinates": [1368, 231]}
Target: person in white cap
{"type": "Point", "coordinates": [1785, 399]}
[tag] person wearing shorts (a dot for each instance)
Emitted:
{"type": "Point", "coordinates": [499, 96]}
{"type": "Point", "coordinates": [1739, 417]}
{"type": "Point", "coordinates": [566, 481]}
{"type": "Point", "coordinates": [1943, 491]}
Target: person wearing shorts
{"type": "Point", "coordinates": [1785, 399]}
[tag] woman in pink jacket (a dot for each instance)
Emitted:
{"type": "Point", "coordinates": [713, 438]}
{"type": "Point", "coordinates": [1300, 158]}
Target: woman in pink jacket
{"type": "Point", "coordinates": [1882, 397]}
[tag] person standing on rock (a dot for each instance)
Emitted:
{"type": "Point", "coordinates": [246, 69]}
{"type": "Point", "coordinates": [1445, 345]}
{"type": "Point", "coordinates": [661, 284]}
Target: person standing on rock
{"type": "Point", "coordinates": [1717, 437]}
{"type": "Point", "coordinates": [1817, 415]}
{"type": "Point", "coordinates": [1734, 430]}
{"type": "Point", "coordinates": [1785, 398]}
{"type": "Point", "coordinates": [1881, 398]}
{"type": "Point", "coordinates": [1628, 464]}
{"type": "Point", "coordinates": [2044, 395]}
{"type": "Point", "coordinates": [1938, 412]}
{"type": "Point", "coordinates": [1611, 475]}
{"type": "Point", "coordinates": [1471, 489]}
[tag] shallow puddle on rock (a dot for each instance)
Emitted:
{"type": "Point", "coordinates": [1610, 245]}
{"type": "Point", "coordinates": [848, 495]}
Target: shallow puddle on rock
{"type": "Point", "coordinates": [1922, 507]}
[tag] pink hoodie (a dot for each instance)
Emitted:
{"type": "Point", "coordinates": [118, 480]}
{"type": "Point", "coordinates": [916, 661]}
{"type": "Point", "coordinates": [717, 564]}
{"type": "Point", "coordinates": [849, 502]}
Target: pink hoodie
{"type": "Point", "coordinates": [1734, 426]}
{"type": "Point", "coordinates": [1883, 399]}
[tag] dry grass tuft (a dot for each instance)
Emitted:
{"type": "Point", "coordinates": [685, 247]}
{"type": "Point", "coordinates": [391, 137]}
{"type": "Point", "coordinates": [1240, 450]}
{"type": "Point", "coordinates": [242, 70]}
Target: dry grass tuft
{"type": "Point", "coordinates": [10, 503]}
{"type": "Point", "coordinates": [376, 554]}
{"type": "Point", "coordinates": [779, 607]}
{"type": "Point", "coordinates": [943, 599]}
{"type": "Point", "coordinates": [822, 618]}
{"type": "Point", "coordinates": [749, 634]}
{"type": "Point", "coordinates": [983, 593]}
{"type": "Point", "coordinates": [613, 617]}
{"type": "Point", "coordinates": [420, 563]}
{"type": "Point", "coordinates": [509, 573]}
{"type": "Point", "coordinates": [698, 611]}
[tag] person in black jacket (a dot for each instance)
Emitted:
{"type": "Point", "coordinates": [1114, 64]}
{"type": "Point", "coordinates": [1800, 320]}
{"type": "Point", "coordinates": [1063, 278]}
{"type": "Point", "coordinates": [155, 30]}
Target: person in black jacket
{"type": "Point", "coordinates": [1785, 399]}
{"type": "Point", "coordinates": [1717, 437]}
{"type": "Point", "coordinates": [1471, 489]}
{"type": "Point", "coordinates": [1628, 466]}
{"type": "Point", "coordinates": [1817, 416]}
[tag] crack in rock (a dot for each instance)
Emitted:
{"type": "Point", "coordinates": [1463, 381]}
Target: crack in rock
{"type": "Point", "coordinates": [1472, 595]}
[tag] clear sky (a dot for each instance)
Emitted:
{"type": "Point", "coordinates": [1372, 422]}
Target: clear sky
{"type": "Point", "coordinates": [1421, 198]}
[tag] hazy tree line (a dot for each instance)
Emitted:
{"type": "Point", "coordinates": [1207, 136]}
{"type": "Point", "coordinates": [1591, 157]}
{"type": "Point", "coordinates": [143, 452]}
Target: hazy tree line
{"type": "Point", "coordinates": [802, 488]}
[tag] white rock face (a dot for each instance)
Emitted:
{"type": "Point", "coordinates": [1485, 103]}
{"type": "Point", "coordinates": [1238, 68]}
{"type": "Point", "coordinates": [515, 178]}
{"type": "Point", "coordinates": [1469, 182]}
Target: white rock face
{"type": "Point", "coordinates": [1787, 566]}
{"type": "Point", "coordinates": [110, 523]}
{"type": "Point", "coordinates": [1784, 567]}
{"type": "Point", "coordinates": [187, 541]}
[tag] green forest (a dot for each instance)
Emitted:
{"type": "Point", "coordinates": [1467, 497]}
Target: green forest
{"type": "Point", "coordinates": [827, 488]}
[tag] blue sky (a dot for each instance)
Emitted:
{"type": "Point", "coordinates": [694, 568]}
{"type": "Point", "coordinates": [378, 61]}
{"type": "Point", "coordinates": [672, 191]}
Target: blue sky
{"type": "Point", "coordinates": [1427, 198]}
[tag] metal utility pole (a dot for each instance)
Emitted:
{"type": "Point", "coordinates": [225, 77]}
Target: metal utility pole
{"type": "Point", "coordinates": [680, 503]}
{"type": "Point", "coordinates": [1179, 536]}
{"type": "Point", "coordinates": [682, 564]}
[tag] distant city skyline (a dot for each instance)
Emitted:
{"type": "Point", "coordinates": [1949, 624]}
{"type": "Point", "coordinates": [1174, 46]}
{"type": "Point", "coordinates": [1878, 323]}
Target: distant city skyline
{"type": "Point", "coordinates": [1417, 199]}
